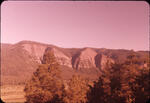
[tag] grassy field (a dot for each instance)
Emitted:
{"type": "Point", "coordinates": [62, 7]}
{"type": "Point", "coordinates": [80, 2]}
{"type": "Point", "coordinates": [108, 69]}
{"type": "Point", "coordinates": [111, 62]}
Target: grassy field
{"type": "Point", "coordinates": [12, 93]}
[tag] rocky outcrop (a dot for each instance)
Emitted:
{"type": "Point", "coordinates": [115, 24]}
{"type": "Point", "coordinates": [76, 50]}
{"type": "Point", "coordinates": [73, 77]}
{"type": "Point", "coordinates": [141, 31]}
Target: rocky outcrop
{"type": "Point", "coordinates": [88, 58]}
{"type": "Point", "coordinates": [35, 50]}
{"type": "Point", "coordinates": [61, 57]}
{"type": "Point", "coordinates": [85, 59]}
{"type": "Point", "coordinates": [101, 61]}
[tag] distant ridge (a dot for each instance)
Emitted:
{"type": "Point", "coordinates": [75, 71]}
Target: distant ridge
{"type": "Point", "coordinates": [20, 60]}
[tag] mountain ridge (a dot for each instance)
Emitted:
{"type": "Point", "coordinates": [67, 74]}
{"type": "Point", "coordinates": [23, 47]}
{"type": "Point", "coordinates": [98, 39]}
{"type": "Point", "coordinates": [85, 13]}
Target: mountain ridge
{"type": "Point", "coordinates": [21, 59]}
{"type": "Point", "coordinates": [36, 42]}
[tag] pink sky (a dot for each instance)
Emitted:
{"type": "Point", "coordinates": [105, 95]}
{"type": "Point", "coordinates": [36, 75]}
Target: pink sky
{"type": "Point", "coordinates": [100, 24]}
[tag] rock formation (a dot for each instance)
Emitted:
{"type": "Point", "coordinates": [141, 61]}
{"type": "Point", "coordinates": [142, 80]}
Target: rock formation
{"type": "Point", "coordinates": [102, 61]}
{"type": "Point", "coordinates": [61, 57]}
{"type": "Point", "coordinates": [85, 59]}
{"type": "Point", "coordinates": [34, 49]}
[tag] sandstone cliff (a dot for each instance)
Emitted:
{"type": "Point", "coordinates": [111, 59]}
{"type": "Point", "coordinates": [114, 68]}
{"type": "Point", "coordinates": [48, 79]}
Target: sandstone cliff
{"type": "Point", "coordinates": [102, 61]}
{"type": "Point", "coordinates": [61, 58]}
{"type": "Point", "coordinates": [85, 59]}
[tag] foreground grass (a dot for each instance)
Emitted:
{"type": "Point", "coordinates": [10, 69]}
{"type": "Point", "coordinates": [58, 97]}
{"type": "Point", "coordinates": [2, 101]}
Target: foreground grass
{"type": "Point", "coordinates": [12, 93]}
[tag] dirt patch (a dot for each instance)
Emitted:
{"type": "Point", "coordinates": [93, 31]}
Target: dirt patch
{"type": "Point", "coordinates": [12, 93]}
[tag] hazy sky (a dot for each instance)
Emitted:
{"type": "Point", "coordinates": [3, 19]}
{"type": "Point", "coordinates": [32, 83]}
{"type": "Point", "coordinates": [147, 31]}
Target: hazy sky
{"type": "Point", "coordinates": [100, 24]}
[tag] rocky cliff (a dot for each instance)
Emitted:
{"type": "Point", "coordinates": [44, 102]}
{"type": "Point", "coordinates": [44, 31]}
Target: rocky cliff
{"type": "Point", "coordinates": [102, 61]}
{"type": "Point", "coordinates": [87, 58]}
{"type": "Point", "coordinates": [61, 58]}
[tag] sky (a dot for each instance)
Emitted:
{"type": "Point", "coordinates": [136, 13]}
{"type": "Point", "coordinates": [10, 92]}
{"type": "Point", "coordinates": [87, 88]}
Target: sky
{"type": "Point", "coordinates": [76, 24]}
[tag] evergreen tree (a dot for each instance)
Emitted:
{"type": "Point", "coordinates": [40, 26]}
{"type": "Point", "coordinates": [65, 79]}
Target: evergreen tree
{"type": "Point", "coordinates": [46, 84]}
{"type": "Point", "coordinates": [122, 83]}
{"type": "Point", "coordinates": [76, 91]}
{"type": "Point", "coordinates": [96, 93]}
{"type": "Point", "coordinates": [141, 87]}
{"type": "Point", "coordinates": [113, 77]}
{"type": "Point", "coordinates": [109, 87]}
{"type": "Point", "coordinates": [137, 78]}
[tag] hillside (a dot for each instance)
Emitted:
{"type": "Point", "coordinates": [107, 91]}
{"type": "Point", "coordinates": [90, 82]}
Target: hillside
{"type": "Point", "coordinates": [20, 60]}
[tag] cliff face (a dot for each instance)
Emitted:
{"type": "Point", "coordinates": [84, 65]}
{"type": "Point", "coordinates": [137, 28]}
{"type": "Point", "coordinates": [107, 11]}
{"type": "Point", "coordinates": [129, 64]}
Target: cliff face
{"type": "Point", "coordinates": [102, 61]}
{"type": "Point", "coordinates": [36, 51]}
{"type": "Point", "coordinates": [85, 59]}
{"type": "Point", "coordinates": [61, 58]}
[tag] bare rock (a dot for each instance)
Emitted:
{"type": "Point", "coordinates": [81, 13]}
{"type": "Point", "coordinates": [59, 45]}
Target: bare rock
{"type": "Point", "coordinates": [85, 59]}
{"type": "Point", "coordinates": [35, 50]}
{"type": "Point", "coordinates": [102, 61]}
{"type": "Point", "coordinates": [61, 58]}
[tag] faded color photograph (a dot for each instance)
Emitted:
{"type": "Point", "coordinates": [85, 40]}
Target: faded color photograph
{"type": "Point", "coordinates": [75, 52]}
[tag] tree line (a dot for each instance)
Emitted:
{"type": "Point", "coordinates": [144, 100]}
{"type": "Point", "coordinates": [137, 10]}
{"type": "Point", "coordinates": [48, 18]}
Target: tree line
{"type": "Point", "coordinates": [126, 82]}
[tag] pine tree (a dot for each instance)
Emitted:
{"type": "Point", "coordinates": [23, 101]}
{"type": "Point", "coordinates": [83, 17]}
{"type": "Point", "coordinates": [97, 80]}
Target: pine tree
{"type": "Point", "coordinates": [137, 79]}
{"type": "Point", "coordinates": [46, 84]}
{"type": "Point", "coordinates": [141, 87]}
{"type": "Point", "coordinates": [109, 87]}
{"type": "Point", "coordinates": [96, 93]}
{"type": "Point", "coordinates": [76, 91]}
{"type": "Point", "coordinates": [122, 83]}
